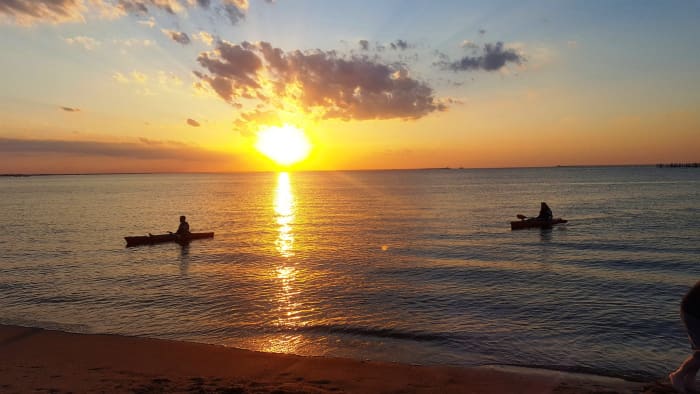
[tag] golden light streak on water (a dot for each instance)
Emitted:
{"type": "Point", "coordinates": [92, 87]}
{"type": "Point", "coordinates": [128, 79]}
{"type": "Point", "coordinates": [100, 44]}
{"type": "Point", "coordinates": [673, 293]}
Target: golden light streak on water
{"type": "Point", "coordinates": [284, 209]}
{"type": "Point", "coordinates": [285, 274]}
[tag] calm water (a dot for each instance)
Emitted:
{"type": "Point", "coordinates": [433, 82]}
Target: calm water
{"type": "Point", "coordinates": [411, 266]}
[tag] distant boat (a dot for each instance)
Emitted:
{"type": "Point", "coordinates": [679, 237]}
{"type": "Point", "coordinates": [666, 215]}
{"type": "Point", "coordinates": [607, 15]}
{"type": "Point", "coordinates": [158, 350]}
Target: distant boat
{"type": "Point", "coordinates": [535, 223]}
{"type": "Point", "coordinates": [151, 239]}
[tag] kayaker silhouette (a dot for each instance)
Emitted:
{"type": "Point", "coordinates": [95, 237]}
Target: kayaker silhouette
{"type": "Point", "coordinates": [544, 220]}
{"type": "Point", "coordinates": [184, 227]}
{"type": "Point", "coordinates": [545, 212]}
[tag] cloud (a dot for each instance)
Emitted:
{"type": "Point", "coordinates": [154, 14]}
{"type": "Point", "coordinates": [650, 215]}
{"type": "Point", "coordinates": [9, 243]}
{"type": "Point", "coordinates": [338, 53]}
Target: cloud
{"type": "Point", "coordinates": [141, 7]}
{"type": "Point", "coordinates": [177, 36]}
{"type": "Point", "coordinates": [321, 84]}
{"type": "Point", "coordinates": [144, 149]}
{"type": "Point", "coordinates": [119, 77]}
{"type": "Point", "coordinates": [399, 45]}
{"type": "Point", "coordinates": [70, 109]}
{"type": "Point", "coordinates": [493, 57]}
{"type": "Point", "coordinates": [150, 22]}
{"type": "Point", "coordinates": [87, 43]}
{"type": "Point", "coordinates": [134, 76]}
{"type": "Point", "coordinates": [28, 12]}
{"type": "Point", "coordinates": [468, 44]}
{"type": "Point", "coordinates": [204, 37]}
{"type": "Point", "coordinates": [234, 10]}
{"type": "Point", "coordinates": [192, 122]}
{"type": "Point", "coordinates": [125, 45]}
{"type": "Point", "coordinates": [168, 79]}
{"type": "Point", "coordinates": [139, 77]}
{"type": "Point", "coordinates": [134, 42]}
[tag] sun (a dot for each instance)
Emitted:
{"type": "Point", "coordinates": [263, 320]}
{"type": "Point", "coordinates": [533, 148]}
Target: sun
{"type": "Point", "coordinates": [285, 145]}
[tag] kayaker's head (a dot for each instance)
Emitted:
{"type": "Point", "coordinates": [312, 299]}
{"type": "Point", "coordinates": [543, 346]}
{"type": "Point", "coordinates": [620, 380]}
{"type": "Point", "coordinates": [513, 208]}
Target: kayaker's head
{"type": "Point", "coordinates": [182, 219]}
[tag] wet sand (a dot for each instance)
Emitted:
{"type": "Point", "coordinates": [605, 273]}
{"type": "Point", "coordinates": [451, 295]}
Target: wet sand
{"type": "Point", "coordinates": [38, 360]}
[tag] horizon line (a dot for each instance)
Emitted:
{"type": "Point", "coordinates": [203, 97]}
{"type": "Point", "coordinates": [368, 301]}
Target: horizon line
{"type": "Point", "coordinates": [18, 175]}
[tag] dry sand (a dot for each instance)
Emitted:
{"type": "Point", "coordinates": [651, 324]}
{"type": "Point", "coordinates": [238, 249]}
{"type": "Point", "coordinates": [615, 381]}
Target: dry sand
{"type": "Point", "coordinates": [37, 360]}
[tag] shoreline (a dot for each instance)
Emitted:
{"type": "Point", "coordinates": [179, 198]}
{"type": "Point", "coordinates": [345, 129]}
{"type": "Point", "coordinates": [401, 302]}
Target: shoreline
{"type": "Point", "coordinates": [40, 360]}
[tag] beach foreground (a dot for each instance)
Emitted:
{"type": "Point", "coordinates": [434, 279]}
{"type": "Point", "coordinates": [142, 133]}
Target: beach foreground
{"type": "Point", "coordinates": [38, 360]}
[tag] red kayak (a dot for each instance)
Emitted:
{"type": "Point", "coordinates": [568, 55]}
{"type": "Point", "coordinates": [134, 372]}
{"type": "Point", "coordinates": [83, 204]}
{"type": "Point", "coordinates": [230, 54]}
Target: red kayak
{"type": "Point", "coordinates": [151, 239]}
{"type": "Point", "coordinates": [535, 223]}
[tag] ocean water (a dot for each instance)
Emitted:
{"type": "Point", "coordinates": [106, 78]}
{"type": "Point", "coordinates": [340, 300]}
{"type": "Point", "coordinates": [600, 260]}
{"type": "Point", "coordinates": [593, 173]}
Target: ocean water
{"type": "Point", "coordinates": [411, 266]}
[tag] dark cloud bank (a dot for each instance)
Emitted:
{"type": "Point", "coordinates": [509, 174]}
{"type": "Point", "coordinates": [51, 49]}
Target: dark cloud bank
{"type": "Point", "coordinates": [145, 150]}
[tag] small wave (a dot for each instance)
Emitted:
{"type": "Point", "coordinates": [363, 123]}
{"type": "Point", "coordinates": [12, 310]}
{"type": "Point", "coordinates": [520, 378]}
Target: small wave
{"type": "Point", "coordinates": [627, 374]}
{"type": "Point", "coordinates": [392, 333]}
{"type": "Point", "coordinates": [45, 324]}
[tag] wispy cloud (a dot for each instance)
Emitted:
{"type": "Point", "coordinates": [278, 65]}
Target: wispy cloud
{"type": "Point", "coordinates": [134, 76]}
{"type": "Point", "coordinates": [321, 84]}
{"type": "Point", "coordinates": [168, 79]}
{"type": "Point", "coordinates": [177, 36]}
{"type": "Point", "coordinates": [125, 45]}
{"type": "Point", "coordinates": [150, 22]}
{"type": "Point", "coordinates": [135, 42]}
{"type": "Point", "coordinates": [119, 77]}
{"type": "Point", "coordinates": [88, 43]}
{"type": "Point", "coordinates": [29, 12]}
{"type": "Point", "coordinates": [468, 44]}
{"type": "Point", "coordinates": [493, 58]}
{"type": "Point", "coordinates": [139, 77]}
{"type": "Point", "coordinates": [397, 45]}
{"type": "Point", "coordinates": [70, 109]}
{"type": "Point", "coordinates": [142, 7]}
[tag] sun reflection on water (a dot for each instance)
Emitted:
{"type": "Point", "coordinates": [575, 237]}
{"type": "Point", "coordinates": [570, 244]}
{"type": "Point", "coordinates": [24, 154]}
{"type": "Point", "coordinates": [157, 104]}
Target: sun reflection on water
{"type": "Point", "coordinates": [284, 208]}
{"type": "Point", "coordinates": [288, 308]}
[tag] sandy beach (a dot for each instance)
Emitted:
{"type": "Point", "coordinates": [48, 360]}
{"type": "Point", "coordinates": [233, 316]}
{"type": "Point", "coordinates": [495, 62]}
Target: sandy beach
{"type": "Point", "coordinates": [38, 360]}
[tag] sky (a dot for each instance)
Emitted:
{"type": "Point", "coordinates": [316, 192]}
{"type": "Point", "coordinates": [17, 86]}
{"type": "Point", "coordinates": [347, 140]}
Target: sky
{"type": "Point", "coordinates": [89, 86]}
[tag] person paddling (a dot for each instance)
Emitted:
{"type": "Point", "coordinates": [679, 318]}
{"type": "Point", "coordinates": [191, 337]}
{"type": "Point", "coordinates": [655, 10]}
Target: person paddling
{"type": "Point", "coordinates": [184, 227]}
{"type": "Point", "coordinates": [545, 212]}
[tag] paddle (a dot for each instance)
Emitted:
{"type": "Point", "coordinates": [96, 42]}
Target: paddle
{"type": "Point", "coordinates": [521, 217]}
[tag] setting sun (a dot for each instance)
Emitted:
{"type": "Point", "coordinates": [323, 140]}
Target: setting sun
{"type": "Point", "coordinates": [285, 145]}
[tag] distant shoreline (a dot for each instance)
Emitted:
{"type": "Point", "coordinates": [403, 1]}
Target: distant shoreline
{"type": "Point", "coordinates": [671, 165]}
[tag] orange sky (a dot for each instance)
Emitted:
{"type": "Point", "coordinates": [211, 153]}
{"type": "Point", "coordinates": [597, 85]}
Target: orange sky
{"type": "Point", "coordinates": [98, 87]}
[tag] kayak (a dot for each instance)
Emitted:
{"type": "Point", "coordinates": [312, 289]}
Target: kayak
{"type": "Point", "coordinates": [535, 223]}
{"type": "Point", "coordinates": [151, 239]}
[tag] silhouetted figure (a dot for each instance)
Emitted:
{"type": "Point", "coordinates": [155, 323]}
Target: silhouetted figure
{"type": "Point", "coordinates": [184, 227]}
{"type": "Point", "coordinates": [545, 212]}
{"type": "Point", "coordinates": [683, 378]}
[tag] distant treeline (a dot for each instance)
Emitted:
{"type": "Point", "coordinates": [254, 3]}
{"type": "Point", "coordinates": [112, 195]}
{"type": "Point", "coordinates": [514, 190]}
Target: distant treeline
{"type": "Point", "coordinates": [694, 165]}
